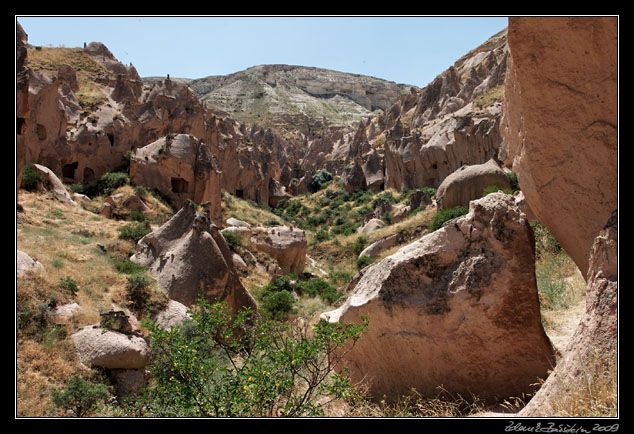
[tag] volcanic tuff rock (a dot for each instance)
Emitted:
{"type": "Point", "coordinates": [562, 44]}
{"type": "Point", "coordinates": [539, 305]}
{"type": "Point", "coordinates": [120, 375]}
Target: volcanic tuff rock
{"type": "Point", "coordinates": [560, 124]}
{"type": "Point", "coordinates": [468, 183]}
{"type": "Point", "coordinates": [457, 308]}
{"type": "Point", "coordinates": [190, 258]}
{"type": "Point", "coordinates": [428, 134]}
{"type": "Point", "coordinates": [287, 245]}
{"type": "Point", "coordinates": [183, 168]}
{"type": "Point", "coordinates": [561, 135]}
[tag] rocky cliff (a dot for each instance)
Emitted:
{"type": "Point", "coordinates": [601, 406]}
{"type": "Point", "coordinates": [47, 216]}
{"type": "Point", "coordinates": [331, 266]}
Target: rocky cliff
{"type": "Point", "coordinates": [560, 133]}
{"type": "Point", "coordinates": [289, 98]}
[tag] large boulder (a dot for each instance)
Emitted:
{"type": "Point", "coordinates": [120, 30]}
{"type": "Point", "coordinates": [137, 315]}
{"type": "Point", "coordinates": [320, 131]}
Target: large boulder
{"type": "Point", "coordinates": [560, 129]}
{"type": "Point", "coordinates": [110, 349]}
{"type": "Point", "coordinates": [181, 167]}
{"type": "Point", "coordinates": [287, 245]}
{"type": "Point", "coordinates": [25, 264]}
{"type": "Point", "coordinates": [560, 122]}
{"type": "Point", "coordinates": [190, 258]}
{"type": "Point", "coordinates": [458, 308]}
{"type": "Point", "coordinates": [468, 183]}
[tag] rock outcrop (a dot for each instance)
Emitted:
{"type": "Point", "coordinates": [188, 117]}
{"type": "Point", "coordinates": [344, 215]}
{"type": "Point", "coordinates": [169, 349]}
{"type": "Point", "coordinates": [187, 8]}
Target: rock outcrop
{"type": "Point", "coordinates": [469, 182]}
{"type": "Point", "coordinates": [561, 136]}
{"type": "Point", "coordinates": [287, 245]}
{"type": "Point", "coordinates": [109, 349]}
{"type": "Point", "coordinates": [457, 308]}
{"type": "Point", "coordinates": [190, 259]}
{"type": "Point", "coordinates": [560, 123]}
{"type": "Point", "coordinates": [181, 167]}
{"type": "Point", "coordinates": [25, 264]}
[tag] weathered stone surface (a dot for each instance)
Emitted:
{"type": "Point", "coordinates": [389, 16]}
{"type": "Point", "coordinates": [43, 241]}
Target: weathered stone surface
{"type": "Point", "coordinates": [371, 225]}
{"type": "Point", "coordinates": [104, 348]}
{"type": "Point", "coordinates": [468, 183]}
{"type": "Point", "coordinates": [25, 264]}
{"type": "Point", "coordinates": [174, 314]}
{"type": "Point", "coordinates": [287, 245]}
{"type": "Point", "coordinates": [181, 167]}
{"type": "Point", "coordinates": [374, 249]}
{"type": "Point", "coordinates": [190, 258]}
{"type": "Point", "coordinates": [560, 123]}
{"type": "Point", "coordinates": [457, 308]}
{"type": "Point", "coordinates": [593, 346]}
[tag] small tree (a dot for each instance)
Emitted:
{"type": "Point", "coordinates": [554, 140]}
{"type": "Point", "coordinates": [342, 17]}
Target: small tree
{"type": "Point", "coordinates": [245, 365]}
{"type": "Point", "coordinates": [80, 396]}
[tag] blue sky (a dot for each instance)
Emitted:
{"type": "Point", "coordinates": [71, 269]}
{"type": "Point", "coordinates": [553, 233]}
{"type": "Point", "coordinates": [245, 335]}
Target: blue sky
{"type": "Point", "coordinates": [409, 50]}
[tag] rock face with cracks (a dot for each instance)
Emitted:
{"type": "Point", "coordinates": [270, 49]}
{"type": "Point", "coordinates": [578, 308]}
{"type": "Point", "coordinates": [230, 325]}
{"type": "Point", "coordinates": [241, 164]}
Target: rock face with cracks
{"type": "Point", "coordinates": [560, 123]}
{"type": "Point", "coordinates": [457, 308]}
{"type": "Point", "coordinates": [190, 258]}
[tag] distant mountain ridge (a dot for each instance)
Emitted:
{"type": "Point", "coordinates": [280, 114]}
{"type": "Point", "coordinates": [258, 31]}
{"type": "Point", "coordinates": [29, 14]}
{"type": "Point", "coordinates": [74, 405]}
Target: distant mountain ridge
{"type": "Point", "coordinates": [288, 97]}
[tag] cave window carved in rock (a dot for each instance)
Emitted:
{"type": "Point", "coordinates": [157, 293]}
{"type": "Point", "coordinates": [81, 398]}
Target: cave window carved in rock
{"type": "Point", "coordinates": [41, 131]}
{"type": "Point", "coordinates": [179, 185]}
{"type": "Point", "coordinates": [68, 171]}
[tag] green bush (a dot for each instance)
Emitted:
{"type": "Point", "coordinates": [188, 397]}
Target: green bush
{"type": "Point", "coordinates": [277, 299]}
{"type": "Point", "coordinates": [319, 287]}
{"type": "Point", "coordinates": [111, 181]}
{"type": "Point", "coordinates": [80, 396]}
{"type": "Point", "coordinates": [445, 215]}
{"type": "Point", "coordinates": [322, 235]}
{"type": "Point", "coordinates": [134, 231]}
{"type": "Point", "coordinates": [364, 261]}
{"type": "Point", "coordinates": [138, 291]}
{"type": "Point", "coordinates": [359, 244]}
{"type": "Point", "coordinates": [243, 365]}
{"type": "Point", "coordinates": [545, 241]}
{"type": "Point", "coordinates": [278, 304]}
{"type": "Point", "coordinates": [30, 177]}
{"type": "Point", "coordinates": [319, 180]}
{"type": "Point", "coordinates": [515, 184]}
{"type": "Point", "coordinates": [68, 284]}
{"type": "Point", "coordinates": [233, 239]}
{"type": "Point", "coordinates": [126, 266]}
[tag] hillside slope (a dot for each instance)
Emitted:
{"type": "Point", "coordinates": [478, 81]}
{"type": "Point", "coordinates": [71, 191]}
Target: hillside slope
{"type": "Point", "coordinates": [287, 97]}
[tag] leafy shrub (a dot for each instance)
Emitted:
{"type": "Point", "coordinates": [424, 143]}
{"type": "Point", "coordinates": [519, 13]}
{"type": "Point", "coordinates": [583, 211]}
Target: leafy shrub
{"type": "Point", "coordinates": [359, 244]}
{"type": "Point", "coordinates": [278, 304]}
{"type": "Point", "coordinates": [138, 291]}
{"type": "Point", "coordinates": [515, 184]}
{"type": "Point", "coordinates": [125, 266]}
{"type": "Point", "coordinates": [277, 298]}
{"type": "Point", "coordinates": [319, 180]}
{"type": "Point", "coordinates": [271, 222]}
{"type": "Point", "coordinates": [233, 239]}
{"type": "Point", "coordinates": [242, 365]}
{"type": "Point", "coordinates": [68, 284]}
{"type": "Point", "coordinates": [319, 287]}
{"type": "Point", "coordinates": [30, 177]}
{"type": "Point", "coordinates": [364, 261]}
{"type": "Point", "coordinates": [138, 216]}
{"type": "Point", "coordinates": [445, 215]}
{"type": "Point", "coordinates": [80, 396]}
{"type": "Point", "coordinates": [322, 235]}
{"type": "Point", "coordinates": [134, 231]}
{"type": "Point", "coordinates": [111, 181]}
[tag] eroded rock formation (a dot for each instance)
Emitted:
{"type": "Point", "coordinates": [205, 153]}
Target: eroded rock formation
{"type": "Point", "coordinates": [560, 124]}
{"type": "Point", "coordinates": [190, 258]}
{"type": "Point", "coordinates": [560, 134]}
{"type": "Point", "coordinates": [458, 308]}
